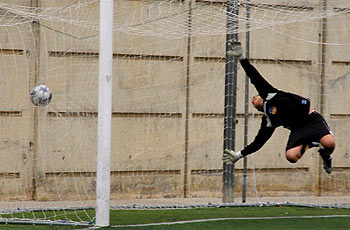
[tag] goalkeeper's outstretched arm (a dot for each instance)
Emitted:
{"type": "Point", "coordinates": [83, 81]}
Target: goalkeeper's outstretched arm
{"type": "Point", "coordinates": [264, 134]}
{"type": "Point", "coordinates": [262, 86]}
{"type": "Point", "coordinates": [261, 138]}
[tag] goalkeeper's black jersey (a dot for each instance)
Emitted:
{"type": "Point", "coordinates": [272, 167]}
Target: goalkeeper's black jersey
{"type": "Point", "coordinates": [280, 108]}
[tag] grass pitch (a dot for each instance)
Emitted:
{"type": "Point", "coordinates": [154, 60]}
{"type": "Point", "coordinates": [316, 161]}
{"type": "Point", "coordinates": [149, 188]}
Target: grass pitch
{"type": "Point", "coordinates": [243, 218]}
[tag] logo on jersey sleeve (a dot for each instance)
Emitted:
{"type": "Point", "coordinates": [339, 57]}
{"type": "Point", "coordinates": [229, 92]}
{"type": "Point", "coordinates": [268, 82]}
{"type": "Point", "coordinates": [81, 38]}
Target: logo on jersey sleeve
{"type": "Point", "coordinates": [304, 101]}
{"type": "Point", "coordinates": [272, 110]}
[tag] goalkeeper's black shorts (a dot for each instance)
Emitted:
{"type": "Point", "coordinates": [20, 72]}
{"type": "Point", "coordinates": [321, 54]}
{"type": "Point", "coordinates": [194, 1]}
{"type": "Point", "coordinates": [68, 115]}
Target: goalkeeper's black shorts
{"type": "Point", "coordinates": [313, 131]}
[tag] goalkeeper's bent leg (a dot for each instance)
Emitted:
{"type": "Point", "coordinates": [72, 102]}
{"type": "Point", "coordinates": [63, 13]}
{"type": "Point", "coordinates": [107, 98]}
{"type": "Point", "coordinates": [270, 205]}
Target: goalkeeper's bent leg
{"type": "Point", "coordinates": [294, 154]}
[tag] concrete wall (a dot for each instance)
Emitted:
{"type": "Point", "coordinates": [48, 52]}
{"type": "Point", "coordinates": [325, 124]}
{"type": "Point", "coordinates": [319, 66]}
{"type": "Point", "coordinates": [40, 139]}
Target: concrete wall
{"type": "Point", "coordinates": [168, 103]}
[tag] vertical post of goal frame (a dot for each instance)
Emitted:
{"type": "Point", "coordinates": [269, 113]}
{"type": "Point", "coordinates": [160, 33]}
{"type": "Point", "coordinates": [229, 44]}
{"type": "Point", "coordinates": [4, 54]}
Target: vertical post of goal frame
{"type": "Point", "coordinates": [246, 103]}
{"type": "Point", "coordinates": [323, 69]}
{"type": "Point", "coordinates": [230, 101]}
{"type": "Point", "coordinates": [104, 113]}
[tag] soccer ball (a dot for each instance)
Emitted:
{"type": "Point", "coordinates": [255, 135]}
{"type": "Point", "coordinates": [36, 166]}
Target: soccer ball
{"type": "Point", "coordinates": [41, 95]}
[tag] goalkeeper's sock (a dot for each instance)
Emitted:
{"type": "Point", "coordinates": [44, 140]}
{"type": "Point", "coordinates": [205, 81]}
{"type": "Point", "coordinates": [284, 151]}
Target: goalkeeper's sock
{"type": "Point", "coordinates": [327, 160]}
{"type": "Point", "coordinates": [309, 146]}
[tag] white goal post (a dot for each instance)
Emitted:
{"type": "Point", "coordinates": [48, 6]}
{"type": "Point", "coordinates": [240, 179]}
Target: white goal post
{"type": "Point", "coordinates": [103, 183]}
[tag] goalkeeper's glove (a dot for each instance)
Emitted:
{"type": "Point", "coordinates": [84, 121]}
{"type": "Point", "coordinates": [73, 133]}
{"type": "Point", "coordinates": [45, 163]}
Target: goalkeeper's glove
{"type": "Point", "coordinates": [235, 49]}
{"type": "Point", "coordinates": [230, 157]}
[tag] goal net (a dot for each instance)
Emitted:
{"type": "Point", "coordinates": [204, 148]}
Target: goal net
{"type": "Point", "coordinates": [168, 103]}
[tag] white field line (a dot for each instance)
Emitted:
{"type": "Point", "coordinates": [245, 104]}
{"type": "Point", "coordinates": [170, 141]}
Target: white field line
{"type": "Point", "coordinates": [223, 219]}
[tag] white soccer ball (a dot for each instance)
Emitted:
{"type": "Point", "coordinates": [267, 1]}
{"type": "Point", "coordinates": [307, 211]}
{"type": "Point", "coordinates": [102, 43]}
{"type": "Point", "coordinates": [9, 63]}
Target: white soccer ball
{"type": "Point", "coordinates": [41, 95]}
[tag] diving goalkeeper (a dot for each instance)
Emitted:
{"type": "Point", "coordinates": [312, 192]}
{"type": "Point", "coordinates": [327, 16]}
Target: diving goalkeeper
{"type": "Point", "coordinates": [307, 127]}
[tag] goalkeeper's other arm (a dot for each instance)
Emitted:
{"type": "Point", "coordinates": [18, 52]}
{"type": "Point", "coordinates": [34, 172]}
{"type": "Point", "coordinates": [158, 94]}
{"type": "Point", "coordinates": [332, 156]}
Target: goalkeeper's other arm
{"type": "Point", "coordinates": [230, 156]}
